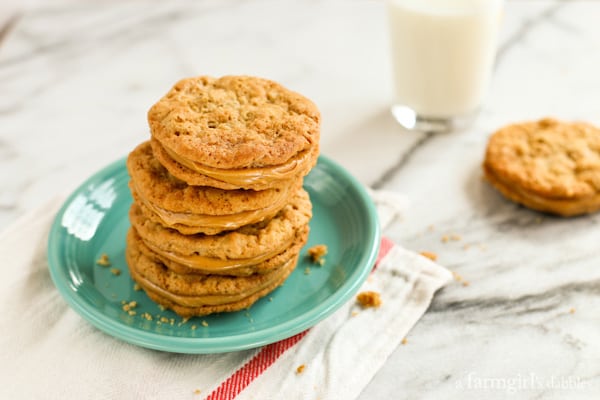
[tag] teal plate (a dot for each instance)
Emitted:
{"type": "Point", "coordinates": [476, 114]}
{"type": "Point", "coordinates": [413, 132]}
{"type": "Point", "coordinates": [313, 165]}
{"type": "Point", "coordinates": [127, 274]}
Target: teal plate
{"type": "Point", "coordinates": [94, 221]}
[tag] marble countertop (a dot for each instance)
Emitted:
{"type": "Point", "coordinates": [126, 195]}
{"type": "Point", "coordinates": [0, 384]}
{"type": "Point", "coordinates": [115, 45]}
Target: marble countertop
{"type": "Point", "coordinates": [77, 79]}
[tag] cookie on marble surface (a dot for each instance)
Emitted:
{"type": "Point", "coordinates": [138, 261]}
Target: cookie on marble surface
{"type": "Point", "coordinates": [197, 295]}
{"type": "Point", "coordinates": [233, 267]}
{"type": "Point", "coordinates": [235, 132]}
{"type": "Point", "coordinates": [547, 165]}
{"type": "Point", "coordinates": [197, 209]}
{"type": "Point", "coordinates": [269, 237]}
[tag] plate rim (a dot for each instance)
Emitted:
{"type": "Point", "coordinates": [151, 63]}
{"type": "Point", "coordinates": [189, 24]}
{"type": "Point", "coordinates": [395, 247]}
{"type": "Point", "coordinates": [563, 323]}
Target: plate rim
{"type": "Point", "coordinates": [204, 345]}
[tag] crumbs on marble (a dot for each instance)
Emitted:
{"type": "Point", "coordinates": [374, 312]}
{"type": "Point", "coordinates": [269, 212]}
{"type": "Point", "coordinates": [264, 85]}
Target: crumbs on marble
{"type": "Point", "coordinates": [197, 391]}
{"type": "Point", "coordinates": [404, 341]}
{"type": "Point", "coordinates": [369, 299]}
{"type": "Point", "coordinates": [451, 238]}
{"type": "Point", "coordinates": [317, 254]}
{"type": "Point", "coordinates": [571, 311]}
{"type": "Point", "coordinates": [300, 369]}
{"type": "Point", "coordinates": [460, 279]}
{"type": "Point", "coordinates": [103, 261]}
{"type": "Point", "coordinates": [428, 254]}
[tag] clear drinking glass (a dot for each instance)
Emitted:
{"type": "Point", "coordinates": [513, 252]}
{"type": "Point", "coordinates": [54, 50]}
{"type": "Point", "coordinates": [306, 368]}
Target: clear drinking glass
{"type": "Point", "coordinates": [443, 54]}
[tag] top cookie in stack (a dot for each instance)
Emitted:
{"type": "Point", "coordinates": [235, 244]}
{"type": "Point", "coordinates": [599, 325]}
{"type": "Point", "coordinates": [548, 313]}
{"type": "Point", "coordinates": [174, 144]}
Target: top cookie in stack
{"type": "Point", "coordinates": [219, 214]}
{"type": "Point", "coordinates": [235, 132]}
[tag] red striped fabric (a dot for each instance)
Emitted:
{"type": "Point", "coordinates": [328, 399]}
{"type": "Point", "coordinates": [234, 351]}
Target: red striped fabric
{"type": "Point", "coordinates": [240, 379]}
{"type": "Point", "coordinates": [230, 388]}
{"type": "Point", "coordinates": [384, 249]}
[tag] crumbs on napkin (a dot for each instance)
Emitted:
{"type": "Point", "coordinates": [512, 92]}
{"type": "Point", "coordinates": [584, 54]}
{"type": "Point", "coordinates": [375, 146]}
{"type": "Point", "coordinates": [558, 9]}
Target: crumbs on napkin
{"type": "Point", "coordinates": [317, 252]}
{"type": "Point", "coordinates": [429, 254]}
{"type": "Point", "coordinates": [369, 299]}
{"type": "Point", "coordinates": [300, 369]}
{"type": "Point", "coordinates": [103, 261]}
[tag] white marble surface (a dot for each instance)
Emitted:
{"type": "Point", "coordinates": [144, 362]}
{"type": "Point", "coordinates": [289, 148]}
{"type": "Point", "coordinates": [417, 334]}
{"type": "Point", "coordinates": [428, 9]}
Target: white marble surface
{"type": "Point", "coordinates": [77, 78]}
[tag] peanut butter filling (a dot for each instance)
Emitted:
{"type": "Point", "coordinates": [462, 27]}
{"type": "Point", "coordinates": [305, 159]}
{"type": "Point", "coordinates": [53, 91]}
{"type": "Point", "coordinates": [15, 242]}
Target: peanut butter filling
{"type": "Point", "coordinates": [211, 299]}
{"type": "Point", "coordinates": [215, 264]}
{"type": "Point", "coordinates": [245, 176]}
{"type": "Point", "coordinates": [231, 221]}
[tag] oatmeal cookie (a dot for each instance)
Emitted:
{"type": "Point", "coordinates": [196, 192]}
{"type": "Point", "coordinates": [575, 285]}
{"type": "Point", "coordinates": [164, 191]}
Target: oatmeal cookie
{"type": "Point", "coordinates": [198, 209]}
{"type": "Point", "coordinates": [547, 165]}
{"type": "Point", "coordinates": [197, 295]}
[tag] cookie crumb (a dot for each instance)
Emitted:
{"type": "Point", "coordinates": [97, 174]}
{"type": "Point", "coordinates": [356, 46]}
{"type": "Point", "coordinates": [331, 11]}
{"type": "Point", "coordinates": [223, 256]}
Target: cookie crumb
{"type": "Point", "coordinates": [430, 255]}
{"type": "Point", "coordinates": [270, 299]}
{"type": "Point", "coordinates": [115, 271]}
{"type": "Point", "coordinates": [369, 299]}
{"type": "Point", "coordinates": [404, 341]}
{"type": "Point", "coordinates": [454, 237]}
{"type": "Point", "coordinates": [161, 307]}
{"type": "Point", "coordinates": [129, 306]}
{"type": "Point", "coordinates": [193, 327]}
{"type": "Point", "coordinates": [103, 260]}
{"type": "Point", "coordinates": [204, 323]}
{"type": "Point", "coordinates": [137, 287]}
{"type": "Point", "coordinates": [316, 254]}
{"type": "Point", "coordinates": [445, 239]}
{"type": "Point", "coordinates": [147, 316]}
{"type": "Point", "coordinates": [197, 391]}
{"type": "Point", "coordinates": [131, 312]}
{"type": "Point", "coordinates": [466, 283]}
{"type": "Point", "coordinates": [300, 369]}
{"type": "Point", "coordinates": [354, 313]}
{"type": "Point", "coordinates": [571, 311]}
{"type": "Point", "coordinates": [307, 271]}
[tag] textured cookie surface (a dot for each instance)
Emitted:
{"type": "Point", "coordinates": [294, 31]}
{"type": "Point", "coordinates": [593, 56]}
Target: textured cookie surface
{"type": "Point", "coordinates": [234, 121]}
{"type": "Point", "coordinates": [248, 241]}
{"type": "Point", "coordinates": [259, 179]}
{"type": "Point", "coordinates": [201, 295]}
{"type": "Point", "coordinates": [262, 267]}
{"type": "Point", "coordinates": [197, 209]}
{"type": "Point", "coordinates": [153, 182]}
{"type": "Point", "coordinates": [547, 165]}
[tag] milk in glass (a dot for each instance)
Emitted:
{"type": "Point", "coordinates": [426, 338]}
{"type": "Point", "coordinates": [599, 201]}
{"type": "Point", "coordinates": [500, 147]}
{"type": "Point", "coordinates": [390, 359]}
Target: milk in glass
{"type": "Point", "coordinates": [442, 54]}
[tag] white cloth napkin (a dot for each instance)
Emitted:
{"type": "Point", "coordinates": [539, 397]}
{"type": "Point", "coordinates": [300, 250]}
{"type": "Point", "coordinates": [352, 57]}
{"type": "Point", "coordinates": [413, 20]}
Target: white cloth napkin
{"type": "Point", "coordinates": [47, 351]}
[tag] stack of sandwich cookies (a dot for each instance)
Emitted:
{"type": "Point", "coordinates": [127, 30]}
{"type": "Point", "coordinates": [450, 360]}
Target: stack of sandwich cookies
{"type": "Point", "coordinates": [219, 214]}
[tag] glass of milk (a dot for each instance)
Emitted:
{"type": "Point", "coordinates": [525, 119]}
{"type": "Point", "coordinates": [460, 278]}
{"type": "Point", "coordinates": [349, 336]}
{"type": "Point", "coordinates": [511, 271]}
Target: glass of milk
{"type": "Point", "coordinates": [442, 57]}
